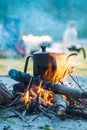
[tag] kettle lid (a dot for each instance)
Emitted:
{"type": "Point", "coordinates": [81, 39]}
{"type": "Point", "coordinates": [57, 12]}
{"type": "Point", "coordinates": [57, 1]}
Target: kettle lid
{"type": "Point", "coordinates": [43, 50]}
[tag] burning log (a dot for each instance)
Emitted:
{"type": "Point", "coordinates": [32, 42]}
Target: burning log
{"type": "Point", "coordinates": [56, 88]}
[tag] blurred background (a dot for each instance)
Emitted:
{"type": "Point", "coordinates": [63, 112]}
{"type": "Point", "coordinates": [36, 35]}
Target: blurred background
{"type": "Point", "coordinates": [27, 24]}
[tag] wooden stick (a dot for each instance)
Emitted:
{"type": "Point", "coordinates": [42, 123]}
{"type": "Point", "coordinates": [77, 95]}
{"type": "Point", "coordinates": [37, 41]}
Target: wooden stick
{"type": "Point", "coordinates": [56, 88]}
{"type": "Point", "coordinates": [75, 112]}
{"type": "Point", "coordinates": [60, 106]}
{"type": "Point", "coordinates": [20, 116]}
{"type": "Point", "coordinates": [11, 116]}
{"type": "Point", "coordinates": [76, 82]}
{"type": "Point", "coordinates": [15, 101]}
{"type": "Point", "coordinates": [42, 112]}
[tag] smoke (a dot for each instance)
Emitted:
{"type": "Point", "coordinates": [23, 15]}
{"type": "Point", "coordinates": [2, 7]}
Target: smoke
{"type": "Point", "coordinates": [48, 17]}
{"type": "Point", "coordinates": [37, 18]}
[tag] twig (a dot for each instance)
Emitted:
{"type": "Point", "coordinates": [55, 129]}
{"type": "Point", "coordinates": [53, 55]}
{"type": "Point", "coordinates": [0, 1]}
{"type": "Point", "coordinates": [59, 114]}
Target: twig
{"type": "Point", "coordinates": [33, 105]}
{"type": "Point", "coordinates": [60, 81]}
{"type": "Point", "coordinates": [28, 86]}
{"type": "Point", "coordinates": [17, 107]}
{"type": "Point", "coordinates": [20, 116]}
{"type": "Point", "coordinates": [11, 116]}
{"type": "Point", "coordinates": [43, 112]}
{"type": "Point", "coordinates": [76, 82]}
{"type": "Point", "coordinates": [14, 101]}
{"type": "Point", "coordinates": [2, 106]}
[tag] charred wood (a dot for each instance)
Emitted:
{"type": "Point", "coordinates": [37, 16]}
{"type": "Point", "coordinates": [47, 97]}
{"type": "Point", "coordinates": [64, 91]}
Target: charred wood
{"type": "Point", "coordinates": [18, 88]}
{"type": "Point", "coordinates": [60, 106]}
{"type": "Point", "coordinates": [43, 111]}
{"type": "Point", "coordinates": [56, 88]}
{"type": "Point", "coordinates": [76, 112]}
{"type": "Point", "coordinates": [33, 106]}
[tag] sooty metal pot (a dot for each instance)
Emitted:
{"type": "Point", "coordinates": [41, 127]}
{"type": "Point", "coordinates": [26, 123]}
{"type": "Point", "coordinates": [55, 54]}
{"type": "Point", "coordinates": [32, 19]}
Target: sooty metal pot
{"type": "Point", "coordinates": [42, 60]}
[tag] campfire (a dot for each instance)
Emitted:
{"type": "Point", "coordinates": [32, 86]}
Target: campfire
{"type": "Point", "coordinates": [46, 91]}
{"type": "Point", "coordinates": [63, 69]}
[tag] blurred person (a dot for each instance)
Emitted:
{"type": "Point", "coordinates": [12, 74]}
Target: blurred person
{"type": "Point", "coordinates": [70, 39]}
{"type": "Point", "coordinates": [70, 34]}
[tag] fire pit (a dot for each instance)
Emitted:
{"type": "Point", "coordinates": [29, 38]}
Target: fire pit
{"type": "Point", "coordinates": [40, 120]}
{"type": "Point", "coordinates": [40, 94]}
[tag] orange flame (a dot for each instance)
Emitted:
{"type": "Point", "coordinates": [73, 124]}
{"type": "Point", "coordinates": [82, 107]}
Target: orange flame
{"type": "Point", "coordinates": [62, 65]}
{"type": "Point", "coordinates": [45, 96]}
{"type": "Point", "coordinates": [58, 69]}
{"type": "Point", "coordinates": [26, 98]}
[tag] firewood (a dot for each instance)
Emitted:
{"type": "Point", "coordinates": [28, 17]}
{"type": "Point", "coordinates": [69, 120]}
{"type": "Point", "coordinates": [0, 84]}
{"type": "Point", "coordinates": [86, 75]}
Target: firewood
{"type": "Point", "coordinates": [15, 101]}
{"type": "Point", "coordinates": [77, 113]}
{"type": "Point", "coordinates": [56, 88]}
{"type": "Point", "coordinates": [20, 116]}
{"type": "Point", "coordinates": [43, 112]}
{"type": "Point", "coordinates": [34, 104]}
{"type": "Point", "coordinates": [60, 106]}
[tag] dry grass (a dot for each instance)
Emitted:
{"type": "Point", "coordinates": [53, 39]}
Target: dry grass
{"type": "Point", "coordinates": [7, 64]}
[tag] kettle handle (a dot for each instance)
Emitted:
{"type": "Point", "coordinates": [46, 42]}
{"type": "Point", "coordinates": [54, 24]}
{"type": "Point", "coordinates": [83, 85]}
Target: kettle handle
{"type": "Point", "coordinates": [72, 54]}
{"type": "Point", "coordinates": [26, 63]}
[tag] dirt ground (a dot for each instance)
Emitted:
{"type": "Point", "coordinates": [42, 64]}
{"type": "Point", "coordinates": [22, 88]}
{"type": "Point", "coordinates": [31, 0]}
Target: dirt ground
{"type": "Point", "coordinates": [42, 121]}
